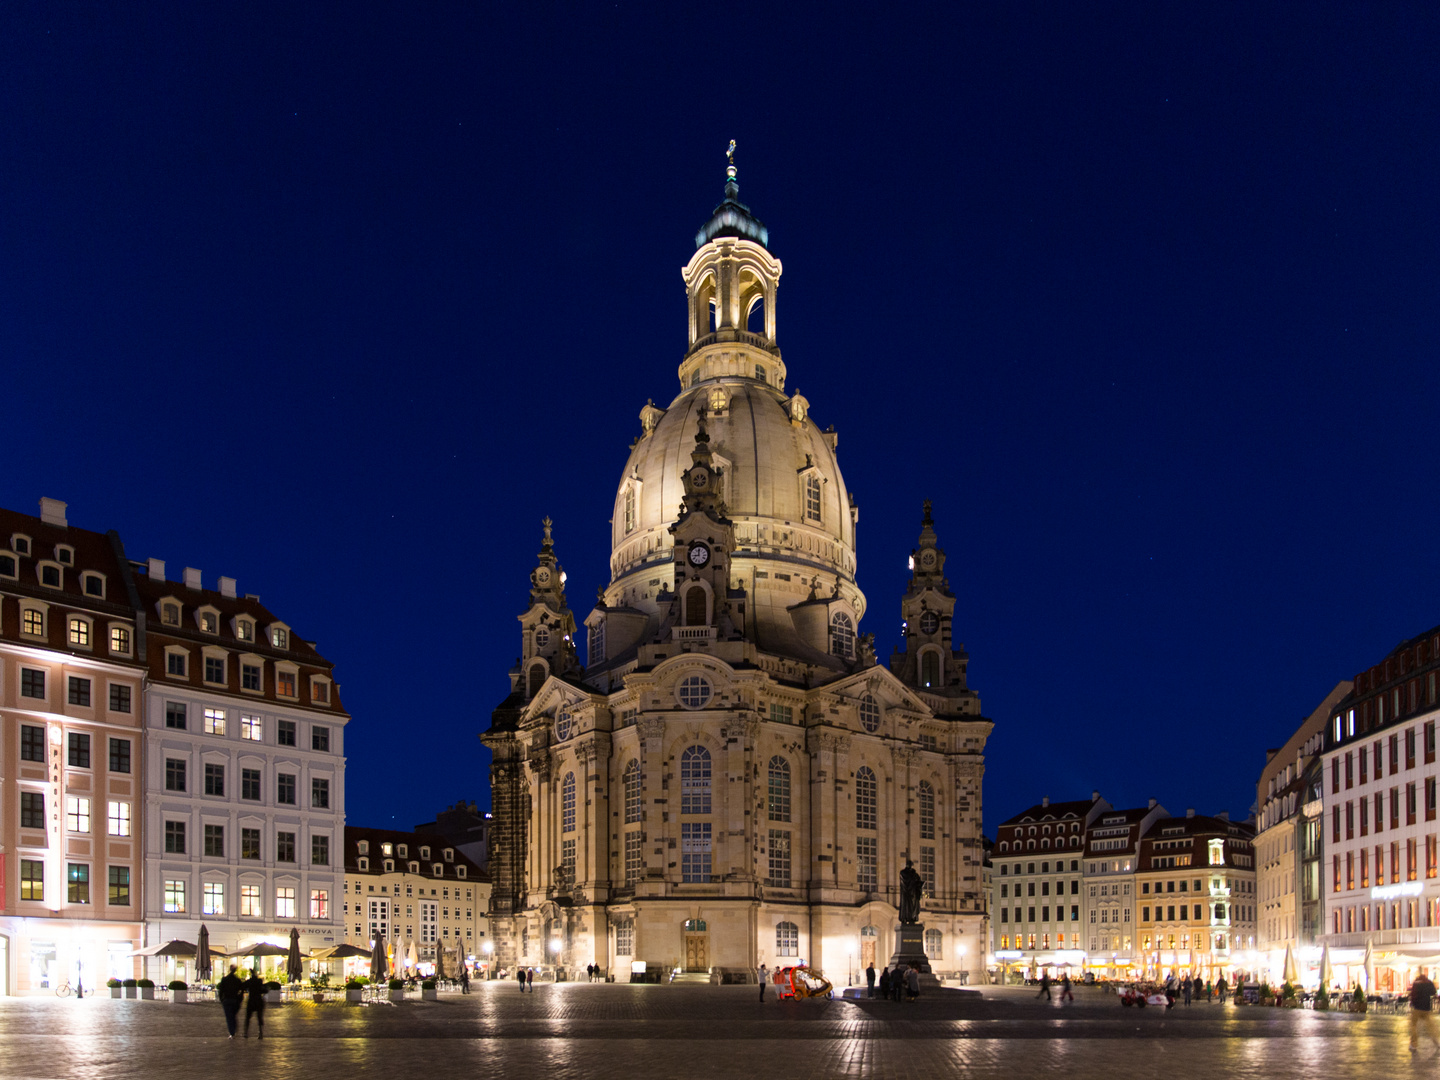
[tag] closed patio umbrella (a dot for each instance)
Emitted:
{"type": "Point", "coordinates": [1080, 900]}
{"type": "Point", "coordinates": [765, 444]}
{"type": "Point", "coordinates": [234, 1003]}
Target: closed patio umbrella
{"type": "Point", "coordinates": [292, 958]}
{"type": "Point", "coordinates": [439, 961]}
{"type": "Point", "coordinates": [1291, 973]}
{"type": "Point", "coordinates": [1327, 975]}
{"type": "Point", "coordinates": [202, 954]}
{"type": "Point", "coordinates": [1369, 963]}
{"type": "Point", "coordinates": [377, 961]}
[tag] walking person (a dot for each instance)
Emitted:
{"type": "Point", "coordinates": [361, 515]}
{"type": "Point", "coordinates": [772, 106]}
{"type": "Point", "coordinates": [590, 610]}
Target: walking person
{"type": "Point", "coordinates": [520, 978]}
{"type": "Point", "coordinates": [1422, 1011]}
{"type": "Point", "coordinates": [230, 991]}
{"type": "Point", "coordinates": [530, 979]}
{"type": "Point", "coordinates": [870, 979]}
{"type": "Point", "coordinates": [464, 979]}
{"type": "Point", "coordinates": [1044, 987]}
{"type": "Point", "coordinates": [255, 1003]}
{"type": "Point", "coordinates": [1065, 994]}
{"type": "Point", "coordinates": [764, 978]}
{"type": "Point", "coordinates": [885, 984]}
{"type": "Point", "coordinates": [1185, 989]}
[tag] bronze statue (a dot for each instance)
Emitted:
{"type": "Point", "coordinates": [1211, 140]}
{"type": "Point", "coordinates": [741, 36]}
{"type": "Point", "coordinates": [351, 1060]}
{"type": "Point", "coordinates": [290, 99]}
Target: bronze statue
{"type": "Point", "coordinates": [911, 886]}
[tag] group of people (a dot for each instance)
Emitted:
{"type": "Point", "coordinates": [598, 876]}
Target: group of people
{"type": "Point", "coordinates": [232, 991]}
{"type": "Point", "coordinates": [1066, 994]}
{"type": "Point", "coordinates": [903, 983]}
{"type": "Point", "coordinates": [593, 972]}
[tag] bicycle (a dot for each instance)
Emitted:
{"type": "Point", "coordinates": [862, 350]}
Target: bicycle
{"type": "Point", "coordinates": [64, 990]}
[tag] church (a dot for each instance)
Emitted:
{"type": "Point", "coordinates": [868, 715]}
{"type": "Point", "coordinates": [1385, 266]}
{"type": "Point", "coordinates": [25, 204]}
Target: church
{"type": "Point", "coordinates": [727, 776]}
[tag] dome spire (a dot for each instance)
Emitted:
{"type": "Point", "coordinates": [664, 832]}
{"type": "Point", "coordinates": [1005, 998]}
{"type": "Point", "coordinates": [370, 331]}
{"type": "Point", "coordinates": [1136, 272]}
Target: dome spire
{"type": "Point", "coordinates": [732, 217]}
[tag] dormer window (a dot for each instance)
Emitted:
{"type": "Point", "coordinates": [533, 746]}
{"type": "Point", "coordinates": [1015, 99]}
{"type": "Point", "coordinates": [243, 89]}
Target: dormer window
{"type": "Point", "coordinates": [21, 544]}
{"type": "Point", "coordinates": [424, 852]}
{"type": "Point", "coordinates": [79, 632]}
{"type": "Point", "coordinates": [279, 637]}
{"type": "Point", "coordinates": [170, 614]}
{"type": "Point", "coordinates": [402, 851]}
{"type": "Point", "coordinates": [65, 555]}
{"type": "Point", "coordinates": [363, 847]}
{"type": "Point", "coordinates": [812, 498]}
{"type": "Point", "coordinates": [449, 855]}
{"type": "Point", "coordinates": [32, 622]}
{"type": "Point", "coordinates": [439, 870]}
{"type": "Point", "coordinates": [389, 866]}
{"type": "Point", "coordinates": [459, 871]}
{"type": "Point", "coordinates": [414, 867]}
{"type": "Point", "coordinates": [387, 850]}
{"type": "Point", "coordinates": [9, 566]}
{"type": "Point", "coordinates": [50, 575]}
{"type": "Point", "coordinates": [364, 863]}
{"type": "Point", "coordinates": [92, 584]}
{"type": "Point", "coordinates": [209, 620]}
{"type": "Point", "coordinates": [244, 630]}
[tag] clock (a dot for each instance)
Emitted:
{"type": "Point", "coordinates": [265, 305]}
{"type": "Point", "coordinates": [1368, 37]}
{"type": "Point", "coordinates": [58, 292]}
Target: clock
{"type": "Point", "coordinates": [929, 622]}
{"type": "Point", "coordinates": [699, 477]}
{"type": "Point", "coordinates": [542, 577]}
{"type": "Point", "coordinates": [927, 559]}
{"type": "Point", "coordinates": [699, 554]}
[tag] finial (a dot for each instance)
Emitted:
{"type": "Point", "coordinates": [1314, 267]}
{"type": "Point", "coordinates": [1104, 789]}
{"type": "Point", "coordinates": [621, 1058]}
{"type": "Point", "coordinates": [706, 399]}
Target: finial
{"type": "Point", "coordinates": [730, 167]}
{"type": "Point", "coordinates": [547, 542]}
{"type": "Point", "coordinates": [730, 154]}
{"type": "Point", "coordinates": [928, 520]}
{"type": "Point", "coordinates": [701, 435]}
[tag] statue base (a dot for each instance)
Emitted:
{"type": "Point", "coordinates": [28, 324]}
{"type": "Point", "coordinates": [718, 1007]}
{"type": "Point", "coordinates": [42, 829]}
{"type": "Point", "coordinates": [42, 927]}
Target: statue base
{"type": "Point", "coordinates": [910, 951]}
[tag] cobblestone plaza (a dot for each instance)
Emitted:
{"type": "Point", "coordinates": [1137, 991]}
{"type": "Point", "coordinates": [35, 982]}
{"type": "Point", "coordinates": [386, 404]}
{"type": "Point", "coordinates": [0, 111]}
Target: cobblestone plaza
{"type": "Point", "coordinates": [699, 1031]}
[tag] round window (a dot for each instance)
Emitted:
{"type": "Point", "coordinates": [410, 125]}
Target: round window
{"type": "Point", "coordinates": [929, 622]}
{"type": "Point", "coordinates": [563, 724]}
{"type": "Point", "coordinates": [694, 691]}
{"type": "Point", "coordinates": [542, 637]}
{"type": "Point", "coordinates": [869, 713]}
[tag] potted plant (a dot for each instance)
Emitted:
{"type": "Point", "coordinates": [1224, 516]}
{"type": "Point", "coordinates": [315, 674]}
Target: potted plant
{"type": "Point", "coordinates": [146, 988]}
{"type": "Point", "coordinates": [1357, 1000]}
{"type": "Point", "coordinates": [272, 992]}
{"type": "Point", "coordinates": [114, 985]}
{"type": "Point", "coordinates": [1288, 999]}
{"type": "Point", "coordinates": [179, 992]}
{"type": "Point", "coordinates": [355, 989]}
{"type": "Point", "coordinates": [1322, 999]}
{"type": "Point", "coordinates": [1265, 995]}
{"type": "Point", "coordinates": [397, 990]}
{"type": "Point", "coordinates": [428, 991]}
{"type": "Point", "coordinates": [129, 985]}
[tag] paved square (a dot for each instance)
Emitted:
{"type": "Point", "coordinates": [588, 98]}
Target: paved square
{"type": "Point", "coordinates": [633, 1032]}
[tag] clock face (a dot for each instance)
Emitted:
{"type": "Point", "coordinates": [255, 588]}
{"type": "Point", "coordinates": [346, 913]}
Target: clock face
{"type": "Point", "coordinates": [542, 576]}
{"type": "Point", "coordinates": [699, 554]}
{"type": "Point", "coordinates": [699, 477]}
{"type": "Point", "coordinates": [929, 622]}
{"type": "Point", "coordinates": [927, 559]}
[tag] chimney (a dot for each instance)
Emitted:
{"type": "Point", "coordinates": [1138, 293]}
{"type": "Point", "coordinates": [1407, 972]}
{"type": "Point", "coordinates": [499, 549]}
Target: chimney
{"type": "Point", "coordinates": [1223, 815]}
{"type": "Point", "coordinates": [155, 569]}
{"type": "Point", "coordinates": [52, 512]}
{"type": "Point", "coordinates": [192, 578]}
{"type": "Point", "coordinates": [1045, 801]}
{"type": "Point", "coordinates": [1152, 804]}
{"type": "Point", "coordinates": [227, 587]}
{"type": "Point", "coordinates": [1189, 811]}
{"type": "Point", "coordinates": [1094, 796]}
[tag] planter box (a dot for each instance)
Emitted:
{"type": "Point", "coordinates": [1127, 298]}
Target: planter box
{"type": "Point", "coordinates": [397, 995]}
{"type": "Point", "coordinates": [115, 991]}
{"type": "Point", "coordinates": [430, 995]}
{"type": "Point", "coordinates": [354, 996]}
{"type": "Point", "coordinates": [180, 996]}
{"type": "Point", "coordinates": [272, 997]}
{"type": "Point", "coordinates": [147, 993]}
{"type": "Point", "coordinates": [130, 991]}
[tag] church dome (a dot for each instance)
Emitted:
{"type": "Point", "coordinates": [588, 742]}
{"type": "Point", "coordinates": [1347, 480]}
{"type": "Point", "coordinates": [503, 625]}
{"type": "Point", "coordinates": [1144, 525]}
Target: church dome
{"type": "Point", "coordinates": [779, 478]}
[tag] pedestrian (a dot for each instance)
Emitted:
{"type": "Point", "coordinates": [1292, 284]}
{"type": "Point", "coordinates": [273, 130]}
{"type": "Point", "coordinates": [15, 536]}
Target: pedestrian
{"type": "Point", "coordinates": [530, 979]}
{"type": "Point", "coordinates": [1065, 994]}
{"type": "Point", "coordinates": [1185, 989]}
{"type": "Point", "coordinates": [464, 978]}
{"type": "Point", "coordinates": [255, 1003]}
{"type": "Point", "coordinates": [1422, 1011]}
{"type": "Point", "coordinates": [870, 979]}
{"type": "Point", "coordinates": [885, 984]}
{"type": "Point", "coordinates": [912, 983]}
{"type": "Point", "coordinates": [520, 978]}
{"type": "Point", "coordinates": [897, 982]}
{"type": "Point", "coordinates": [764, 978]}
{"type": "Point", "coordinates": [230, 991]}
{"type": "Point", "coordinates": [1045, 987]}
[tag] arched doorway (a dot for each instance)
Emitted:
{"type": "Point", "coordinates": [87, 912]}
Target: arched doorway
{"type": "Point", "coordinates": [869, 939]}
{"type": "Point", "coordinates": [697, 945]}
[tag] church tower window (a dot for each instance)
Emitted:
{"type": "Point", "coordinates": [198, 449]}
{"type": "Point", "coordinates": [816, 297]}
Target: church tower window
{"type": "Point", "coordinates": [567, 803]}
{"type": "Point", "coordinates": [693, 693]}
{"type": "Point", "coordinates": [695, 781]}
{"type": "Point", "coordinates": [929, 669]}
{"type": "Point", "coordinates": [631, 779]}
{"type": "Point", "coordinates": [812, 497]}
{"type": "Point", "coordinates": [842, 636]}
{"type": "Point", "coordinates": [927, 811]}
{"type": "Point", "coordinates": [865, 788]}
{"type": "Point", "coordinates": [695, 852]}
{"type": "Point", "coordinates": [779, 789]}
{"type": "Point", "coordinates": [695, 606]}
{"type": "Point", "coordinates": [869, 714]}
{"type": "Point", "coordinates": [537, 678]}
{"type": "Point", "coordinates": [630, 509]}
{"type": "Point", "coordinates": [597, 643]}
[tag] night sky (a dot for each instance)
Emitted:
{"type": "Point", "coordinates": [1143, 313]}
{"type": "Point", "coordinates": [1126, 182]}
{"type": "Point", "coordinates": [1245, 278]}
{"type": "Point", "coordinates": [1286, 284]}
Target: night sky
{"type": "Point", "coordinates": [341, 300]}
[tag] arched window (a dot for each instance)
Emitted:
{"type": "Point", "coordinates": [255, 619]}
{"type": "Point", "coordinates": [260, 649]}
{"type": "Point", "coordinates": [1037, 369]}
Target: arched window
{"type": "Point", "coordinates": [631, 778]}
{"type": "Point", "coordinates": [869, 932]}
{"type": "Point", "coordinates": [869, 713]}
{"type": "Point", "coordinates": [630, 508]}
{"type": "Point", "coordinates": [929, 669]}
{"type": "Point", "coordinates": [537, 678]}
{"type": "Point", "coordinates": [597, 643]}
{"type": "Point", "coordinates": [695, 781]}
{"type": "Point", "coordinates": [812, 498]}
{"type": "Point", "coordinates": [865, 789]}
{"type": "Point", "coordinates": [695, 606]}
{"type": "Point", "coordinates": [779, 789]}
{"type": "Point", "coordinates": [842, 636]}
{"type": "Point", "coordinates": [787, 939]}
{"type": "Point", "coordinates": [927, 811]}
{"type": "Point", "coordinates": [567, 803]}
{"type": "Point", "coordinates": [932, 944]}
{"type": "Point", "coordinates": [755, 318]}
{"type": "Point", "coordinates": [695, 926]}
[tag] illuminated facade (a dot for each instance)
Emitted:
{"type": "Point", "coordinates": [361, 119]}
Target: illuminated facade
{"type": "Point", "coordinates": [728, 777]}
{"type": "Point", "coordinates": [71, 828]}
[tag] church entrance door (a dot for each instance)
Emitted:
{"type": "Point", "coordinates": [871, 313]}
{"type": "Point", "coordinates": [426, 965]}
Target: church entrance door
{"type": "Point", "coordinates": [697, 953]}
{"type": "Point", "coordinates": [867, 952]}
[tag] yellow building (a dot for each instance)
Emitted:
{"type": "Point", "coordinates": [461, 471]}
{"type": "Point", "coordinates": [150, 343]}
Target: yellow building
{"type": "Point", "coordinates": [415, 891]}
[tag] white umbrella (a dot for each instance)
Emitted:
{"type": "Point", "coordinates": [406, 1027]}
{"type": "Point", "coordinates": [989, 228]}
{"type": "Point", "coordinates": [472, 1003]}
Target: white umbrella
{"type": "Point", "coordinates": [1291, 973]}
{"type": "Point", "coordinates": [411, 958]}
{"type": "Point", "coordinates": [1327, 975]}
{"type": "Point", "coordinates": [1369, 963]}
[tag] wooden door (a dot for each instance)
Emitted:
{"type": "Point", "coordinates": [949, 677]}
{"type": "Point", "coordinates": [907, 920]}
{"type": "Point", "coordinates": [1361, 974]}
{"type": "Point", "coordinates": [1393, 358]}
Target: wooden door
{"type": "Point", "coordinates": [867, 952]}
{"type": "Point", "coordinates": [696, 954]}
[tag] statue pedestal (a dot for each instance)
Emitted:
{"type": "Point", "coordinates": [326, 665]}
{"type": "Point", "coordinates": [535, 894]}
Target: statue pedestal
{"type": "Point", "coordinates": [910, 951]}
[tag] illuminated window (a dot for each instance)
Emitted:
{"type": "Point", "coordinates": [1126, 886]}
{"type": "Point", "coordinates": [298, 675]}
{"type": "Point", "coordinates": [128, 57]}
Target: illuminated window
{"type": "Point", "coordinates": [320, 904]}
{"type": "Point", "coordinates": [174, 897]}
{"type": "Point", "coordinates": [117, 818]}
{"type": "Point", "coordinates": [214, 721]}
{"type": "Point", "coordinates": [787, 939]}
{"type": "Point", "coordinates": [244, 630]}
{"type": "Point", "coordinates": [285, 902]}
{"type": "Point", "coordinates": [285, 683]}
{"type": "Point", "coordinates": [77, 814]}
{"type": "Point", "coordinates": [32, 879]}
{"type": "Point", "coordinates": [79, 633]}
{"type": "Point", "coordinates": [212, 898]}
{"type": "Point", "coordinates": [779, 859]}
{"type": "Point", "coordinates": [279, 638]}
{"type": "Point", "coordinates": [250, 728]}
{"type": "Point", "coordinates": [120, 640]}
{"type": "Point", "coordinates": [77, 877]}
{"type": "Point", "coordinates": [33, 622]}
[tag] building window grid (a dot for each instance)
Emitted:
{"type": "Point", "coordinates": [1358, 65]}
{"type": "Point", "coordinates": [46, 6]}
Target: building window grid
{"type": "Point", "coordinates": [779, 859]}
{"type": "Point", "coordinates": [567, 803]}
{"type": "Point", "coordinates": [865, 798]}
{"type": "Point", "coordinates": [631, 778]}
{"type": "Point", "coordinates": [695, 781]}
{"type": "Point", "coordinates": [778, 794]}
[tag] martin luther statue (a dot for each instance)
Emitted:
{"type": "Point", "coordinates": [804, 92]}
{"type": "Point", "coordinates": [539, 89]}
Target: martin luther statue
{"type": "Point", "coordinates": [911, 885]}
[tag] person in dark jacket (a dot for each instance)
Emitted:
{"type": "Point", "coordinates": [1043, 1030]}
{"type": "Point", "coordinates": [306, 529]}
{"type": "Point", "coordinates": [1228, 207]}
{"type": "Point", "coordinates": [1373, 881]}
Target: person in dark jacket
{"type": "Point", "coordinates": [870, 980]}
{"type": "Point", "coordinates": [255, 1004]}
{"type": "Point", "coordinates": [230, 992]}
{"type": "Point", "coordinates": [520, 978]}
{"type": "Point", "coordinates": [884, 984]}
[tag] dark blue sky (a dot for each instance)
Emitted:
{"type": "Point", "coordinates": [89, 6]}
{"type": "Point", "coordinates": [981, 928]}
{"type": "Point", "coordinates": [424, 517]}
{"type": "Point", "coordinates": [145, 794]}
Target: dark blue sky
{"type": "Point", "coordinates": [342, 299]}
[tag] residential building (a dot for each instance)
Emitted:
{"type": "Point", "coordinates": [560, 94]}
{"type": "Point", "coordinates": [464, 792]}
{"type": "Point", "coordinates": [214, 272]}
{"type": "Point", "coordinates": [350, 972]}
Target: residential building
{"type": "Point", "coordinates": [1284, 894]}
{"type": "Point", "coordinates": [1380, 808]}
{"type": "Point", "coordinates": [1195, 877]}
{"type": "Point", "coordinates": [244, 766]}
{"type": "Point", "coordinates": [71, 679]}
{"type": "Point", "coordinates": [464, 826]}
{"type": "Point", "coordinates": [730, 778]}
{"type": "Point", "coordinates": [415, 889]}
{"type": "Point", "coordinates": [1108, 910]}
{"type": "Point", "coordinates": [1038, 857]}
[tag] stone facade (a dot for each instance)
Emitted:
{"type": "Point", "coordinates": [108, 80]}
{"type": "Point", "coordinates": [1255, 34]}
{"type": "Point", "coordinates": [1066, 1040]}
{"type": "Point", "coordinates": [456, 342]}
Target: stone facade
{"type": "Point", "coordinates": [730, 778]}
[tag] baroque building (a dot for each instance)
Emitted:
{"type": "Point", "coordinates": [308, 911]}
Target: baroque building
{"type": "Point", "coordinates": [729, 777]}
